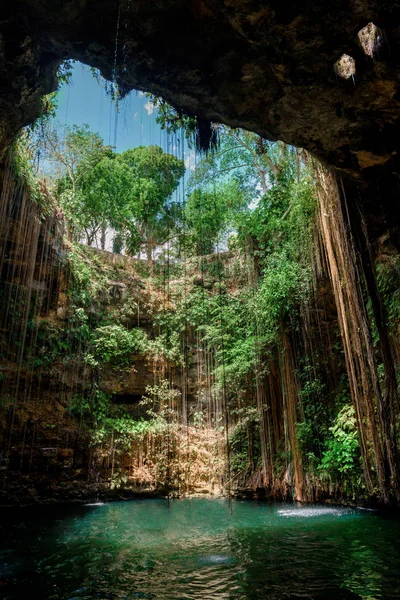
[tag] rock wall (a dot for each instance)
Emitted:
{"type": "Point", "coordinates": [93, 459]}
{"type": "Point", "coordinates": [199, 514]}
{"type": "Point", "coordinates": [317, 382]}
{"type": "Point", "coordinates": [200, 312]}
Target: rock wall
{"type": "Point", "coordinates": [53, 392]}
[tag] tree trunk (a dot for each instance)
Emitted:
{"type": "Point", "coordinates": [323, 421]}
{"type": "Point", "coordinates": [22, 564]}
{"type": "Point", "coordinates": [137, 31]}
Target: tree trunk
{"type": "Point", "coordinates": [103, 237]}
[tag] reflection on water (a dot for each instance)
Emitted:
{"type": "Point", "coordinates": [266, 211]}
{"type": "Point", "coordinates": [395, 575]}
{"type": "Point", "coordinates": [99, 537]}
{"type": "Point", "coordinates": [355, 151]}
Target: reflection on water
{"type": "Point", "coordinates": [199, 549]}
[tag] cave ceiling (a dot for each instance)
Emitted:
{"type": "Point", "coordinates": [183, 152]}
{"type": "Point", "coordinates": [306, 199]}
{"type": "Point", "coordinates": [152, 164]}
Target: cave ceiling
{"type": "Point", "coordinates": [266, 66]}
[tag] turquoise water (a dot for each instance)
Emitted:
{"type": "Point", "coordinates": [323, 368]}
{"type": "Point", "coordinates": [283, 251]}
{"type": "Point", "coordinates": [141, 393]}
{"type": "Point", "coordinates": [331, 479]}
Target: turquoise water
{"type": "Point", "coordinates": [198, 549]}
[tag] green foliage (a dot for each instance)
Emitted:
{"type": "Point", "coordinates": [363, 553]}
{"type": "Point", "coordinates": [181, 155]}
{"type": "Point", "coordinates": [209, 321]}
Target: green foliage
{"type": "Point", "coordinates": [114, 344]}
{"type": "Point", "coordinates": [155, 176]}
{"type": "Point", "coordinates": [166, 347]}
{"type": "Point", "coordinates": [111, 88]}
{"type": "Point", "coordinates": [388, 278]}
{"type": "Point", "coordinates": [108, 422]}
{"type": "Point", "coordinates": [124, 431]}
{"type": "Point", "coordinates": [87, 281]}
{"type": "Point", "coordinates": [284, 286]}
{"type": "Point", "coordinates": [342, 455]}
{"type": "Point", "coordinates": [22, 157]}
{"type": "Point", "coordinates": [116, 424]}
{"type": "Point", "coordinates": [96, 406]}
{"type": "Point", "coordinates": [158, 400]}
{"type": "Point", "coordinates": [232, 333]}
{"type": "Point", "coordinates": [103, 199]}
{"type": "Point", "coordinates": [74, 153]}
{"type": "Point", "coordinates": [244, 441]}
{"type": "Point", "coordinates": [99, 189]}
{"type": "Point", "coordinates": [319, 411]}
{"type": "Point", "coordinates": [245, 158]}
{"type": "Point", "coordinates": [209, 216]}
{"type": "Point", "coordinates": [173, 120]}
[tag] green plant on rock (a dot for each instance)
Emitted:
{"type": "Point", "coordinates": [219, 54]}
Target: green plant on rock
{"type": "Point", "coordinates": [94, 406]}
{"type": "Point", "coordinates": [87, 281]}
{"type": "Point", "coordinates": [159, 400]}
{"type": "Point", "coordinates": [341, 459]}
{"type": "Point", "coordinates": [166, 347]}
{"type": "Point", "coordinates": [115, 345]}
{"type": "Point", "coordinates": [123, 430]}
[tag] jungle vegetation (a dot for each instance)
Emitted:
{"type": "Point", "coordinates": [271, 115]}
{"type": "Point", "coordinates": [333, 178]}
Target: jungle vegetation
{"type": "Point", "coordinates": [257, 322]}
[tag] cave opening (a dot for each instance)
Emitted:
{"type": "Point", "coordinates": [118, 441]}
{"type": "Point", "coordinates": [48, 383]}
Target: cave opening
{"type": "Point", "coordinates": [132, 223]}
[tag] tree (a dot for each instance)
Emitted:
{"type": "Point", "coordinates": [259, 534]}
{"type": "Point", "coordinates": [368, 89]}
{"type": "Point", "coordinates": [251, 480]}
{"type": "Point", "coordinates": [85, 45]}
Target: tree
{"type": "Point", "coordinates": [75, 152]}
{"type": "Point", "coordinates": [73, 155]}
{"type": "Point", "coordinates": [99, 189]}
{"type": "Point", "coordinates": [210, 215]}
{"type": "Point", "coordinates": [255, 163]}
{"type": "Point", "coordinates": [233, 180]}
{"type": "Point", "coordinates": [155, 176]}
{"type": "Point", "coordinates": [104, 199]}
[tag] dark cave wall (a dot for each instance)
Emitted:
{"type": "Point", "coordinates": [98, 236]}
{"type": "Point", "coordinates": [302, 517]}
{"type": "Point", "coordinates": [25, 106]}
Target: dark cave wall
{"type": "Point", "coordinates": [264, 66]}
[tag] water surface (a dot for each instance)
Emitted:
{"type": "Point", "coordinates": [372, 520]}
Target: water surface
{"type": "Point", "coordinates": [198, 549]}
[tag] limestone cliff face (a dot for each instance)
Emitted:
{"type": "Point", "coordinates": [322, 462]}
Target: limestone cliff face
{"type": "Point", "coordinates": [48, 450]}
{"type": "Point", "coordinates": [268, 66]}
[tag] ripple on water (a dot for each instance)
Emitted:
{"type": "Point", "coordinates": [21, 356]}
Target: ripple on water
{"type": "Point", "coordinates": [215, 559]}
{"type": "Point", "coordinates": [314, 511]}
{"type": "Point", "coordinates": [199, 550]}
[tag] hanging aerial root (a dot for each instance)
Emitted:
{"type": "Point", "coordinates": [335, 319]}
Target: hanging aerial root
{"type": "Point", "coordinates": [206, 136]}
{"type": "Point", "coordinates": [355, 329]}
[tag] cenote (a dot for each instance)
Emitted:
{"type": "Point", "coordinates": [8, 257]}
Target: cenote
{"type": "Point", "coordinates": [199, 300]}
{"type": "Point", "coordinates": [199, 549]}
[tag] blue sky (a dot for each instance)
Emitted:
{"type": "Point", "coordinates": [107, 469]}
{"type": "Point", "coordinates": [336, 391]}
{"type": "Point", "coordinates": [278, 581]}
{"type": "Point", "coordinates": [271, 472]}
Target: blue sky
{"type": "Point", "coordinates": [83, 100]}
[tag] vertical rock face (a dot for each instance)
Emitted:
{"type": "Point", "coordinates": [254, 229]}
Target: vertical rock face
{"type": "Point", "coordinates": [319, 75]}
{"type": "Point", "coordinates": [48, 375]}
